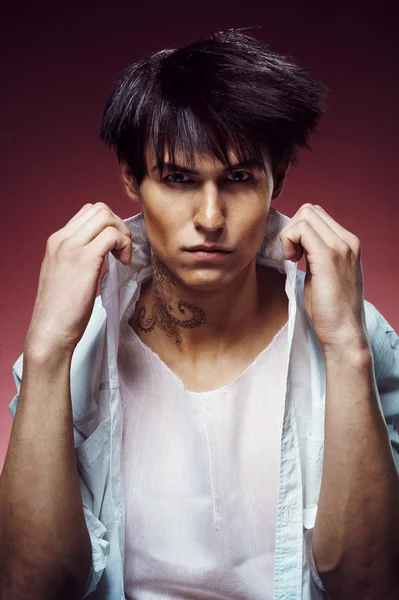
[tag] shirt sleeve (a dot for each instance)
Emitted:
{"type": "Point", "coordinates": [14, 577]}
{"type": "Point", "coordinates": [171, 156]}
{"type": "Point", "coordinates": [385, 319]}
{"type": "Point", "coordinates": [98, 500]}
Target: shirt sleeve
{"type": "Point", "coordinates": [308, 533]}
{"type": "Point", "coordinates": [387, 378]}
{"type": "Point", "coordinates": [96, 529]}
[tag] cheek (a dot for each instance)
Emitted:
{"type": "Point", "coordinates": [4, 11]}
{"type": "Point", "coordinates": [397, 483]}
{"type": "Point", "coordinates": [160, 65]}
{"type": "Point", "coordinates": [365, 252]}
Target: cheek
{"type": "Point", "coordinates": [162, 227]}
{"type": "Point", "coordinates": [252, 226]}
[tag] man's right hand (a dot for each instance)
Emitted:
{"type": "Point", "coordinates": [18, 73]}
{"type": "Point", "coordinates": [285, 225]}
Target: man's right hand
{"type": "Point", "coordinates": [69, 277]}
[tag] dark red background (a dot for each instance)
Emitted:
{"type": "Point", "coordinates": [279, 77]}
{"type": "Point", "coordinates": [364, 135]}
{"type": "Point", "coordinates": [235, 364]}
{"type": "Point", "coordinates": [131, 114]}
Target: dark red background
{"type": "Point", "coordinates": [58, 63]}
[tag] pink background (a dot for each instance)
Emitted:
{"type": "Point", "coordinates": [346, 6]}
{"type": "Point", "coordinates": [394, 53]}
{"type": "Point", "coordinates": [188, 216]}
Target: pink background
{"type": "Point", "coordinates": [57, 66]}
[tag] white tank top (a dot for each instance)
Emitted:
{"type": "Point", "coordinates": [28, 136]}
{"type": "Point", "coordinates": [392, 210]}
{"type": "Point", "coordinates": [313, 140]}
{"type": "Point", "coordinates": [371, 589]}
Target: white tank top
{"type": "Point", "coordinates": [200, 476]}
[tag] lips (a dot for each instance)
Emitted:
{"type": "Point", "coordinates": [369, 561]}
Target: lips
{"type": "Point", "coordinates": [210, 256]}
{"type": "Point", "coordinates": [208, 249]}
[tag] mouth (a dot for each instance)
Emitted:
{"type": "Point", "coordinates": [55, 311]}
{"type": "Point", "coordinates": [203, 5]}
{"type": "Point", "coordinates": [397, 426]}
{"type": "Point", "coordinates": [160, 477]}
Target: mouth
{"type": "Point", "coordinates": [209, 254]}
{"type": "Point", "coordinates": [208, 248]}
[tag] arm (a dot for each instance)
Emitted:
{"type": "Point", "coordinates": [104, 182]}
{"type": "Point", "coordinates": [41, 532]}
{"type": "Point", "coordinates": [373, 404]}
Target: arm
{"type": "Point", "coordinates": [356, 534]}
{"type": "Point", "coordinates": [45, 548]}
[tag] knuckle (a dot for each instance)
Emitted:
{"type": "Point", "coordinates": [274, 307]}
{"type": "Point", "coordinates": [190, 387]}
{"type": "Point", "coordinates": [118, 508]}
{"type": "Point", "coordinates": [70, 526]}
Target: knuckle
{"type": "Point", "coordinates": [104, 211]}
{"type": "Point", "coordinates": [347, 250]}
{"type": "Point", "coordinates": [308, 211]}
{"type": "Point", "coordinates": [102, 205]}
{"type": "Point", "coordinates": [63, 246]}
{"type": "Point", "coordinates": [110, 231]}
{"type": "Point", "coordinates": [52, 241]}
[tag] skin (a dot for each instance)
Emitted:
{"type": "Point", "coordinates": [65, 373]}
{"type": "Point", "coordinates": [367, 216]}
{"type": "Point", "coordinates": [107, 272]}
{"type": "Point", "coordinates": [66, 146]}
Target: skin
{"type": "Point", "coordinates": [355, 540]}
{"type": "Point", "coordinates": [353, 561]}
{"type": "Point", "coordinates": [226, 208]}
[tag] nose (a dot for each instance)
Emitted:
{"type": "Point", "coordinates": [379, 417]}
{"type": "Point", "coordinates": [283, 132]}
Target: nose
{"type": "Point", "coordinates": [210, 211]}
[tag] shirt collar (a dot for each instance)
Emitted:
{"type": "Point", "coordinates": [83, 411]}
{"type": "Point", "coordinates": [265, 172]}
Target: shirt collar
{"type": "Point", "coordinates": [117, 274]}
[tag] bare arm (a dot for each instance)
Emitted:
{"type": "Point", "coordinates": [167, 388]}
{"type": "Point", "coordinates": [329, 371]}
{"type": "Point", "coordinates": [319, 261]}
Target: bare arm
{"type": "Point", "coordinates": [45, 549]}
{"type": "Point", "coordinates": [355, 539]}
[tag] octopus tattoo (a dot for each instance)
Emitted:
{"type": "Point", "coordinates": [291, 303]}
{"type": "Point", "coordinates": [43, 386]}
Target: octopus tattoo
{"type": "Point", "coordinates": [162, 306]}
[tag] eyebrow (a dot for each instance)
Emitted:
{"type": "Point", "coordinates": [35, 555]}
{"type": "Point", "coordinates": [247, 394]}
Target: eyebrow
{"type": "Point", "coordinates": [252, 163]}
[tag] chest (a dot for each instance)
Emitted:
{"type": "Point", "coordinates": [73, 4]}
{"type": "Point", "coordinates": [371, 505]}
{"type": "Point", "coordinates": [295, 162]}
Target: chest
{"type": "Point", "coordinates": [200, 474]}
{"type": "Point", "coordinates": [210, 374]}
{"type": "Point", "coordinates": [214, 371]}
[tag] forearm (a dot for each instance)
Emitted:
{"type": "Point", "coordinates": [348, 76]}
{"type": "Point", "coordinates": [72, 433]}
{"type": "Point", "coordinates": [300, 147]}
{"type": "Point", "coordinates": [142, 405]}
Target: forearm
{"type": "Point", "coordinates": [356, 534]}
{"type": "Point", "coordinates": [44, 539]}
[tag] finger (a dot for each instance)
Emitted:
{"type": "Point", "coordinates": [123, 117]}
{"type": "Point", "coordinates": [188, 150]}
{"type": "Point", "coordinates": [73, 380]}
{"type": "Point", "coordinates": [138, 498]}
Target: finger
{"type": "Point", "coordinates": [302, 237]}
{"type": "Point", "coordinates": [82, 210]}
{"type": "Point", "coordinates": [94, 225]}
{"type": "Point", "coordinates": [84, 215]}
{"type": "Point", "coordinates": [112, 240]}
{"type": "Point", "coordinates": [343, 233]}
{"type": "Point", "coordinates": [328, 235]}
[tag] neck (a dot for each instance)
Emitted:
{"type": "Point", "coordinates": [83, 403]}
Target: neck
{"type": "Point", "coordinates": [194, 320]}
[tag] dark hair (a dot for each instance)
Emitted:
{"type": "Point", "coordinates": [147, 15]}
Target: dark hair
{"type": "Point", "coordinates": [227, 92]}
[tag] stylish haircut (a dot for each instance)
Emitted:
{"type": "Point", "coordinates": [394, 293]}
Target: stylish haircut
{"type": "Point", "coordinates": [226, 92]}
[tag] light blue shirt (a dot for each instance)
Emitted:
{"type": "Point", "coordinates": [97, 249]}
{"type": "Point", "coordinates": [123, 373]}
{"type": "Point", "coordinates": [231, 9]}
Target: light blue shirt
{"type": "Point", "coordinates": [97, 420]}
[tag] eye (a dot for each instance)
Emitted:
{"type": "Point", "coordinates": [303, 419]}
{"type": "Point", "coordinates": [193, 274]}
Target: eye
{"type": "Point", "coordinates": [249, 176]}
{"type": "Point", "coordinates": [177, 174]}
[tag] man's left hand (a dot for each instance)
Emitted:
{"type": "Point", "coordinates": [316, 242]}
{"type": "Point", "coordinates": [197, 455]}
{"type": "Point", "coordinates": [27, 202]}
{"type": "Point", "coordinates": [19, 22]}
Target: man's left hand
{"type": "Point", "coordinates": [333, 288]}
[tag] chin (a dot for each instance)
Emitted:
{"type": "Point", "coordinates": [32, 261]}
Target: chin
{"type": "Point", "coordinates": [206, 280]}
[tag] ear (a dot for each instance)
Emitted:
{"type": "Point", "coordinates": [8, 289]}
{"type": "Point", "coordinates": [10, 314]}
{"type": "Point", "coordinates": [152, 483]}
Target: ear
{"type": "Point", "coordinates": [279, 177]}
{"type": "Point", "coordinates": [132, 189]}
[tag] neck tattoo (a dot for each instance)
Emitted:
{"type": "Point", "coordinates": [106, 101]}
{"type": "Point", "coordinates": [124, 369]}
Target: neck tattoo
{"type": "Point", "coordinates": [162, 306]}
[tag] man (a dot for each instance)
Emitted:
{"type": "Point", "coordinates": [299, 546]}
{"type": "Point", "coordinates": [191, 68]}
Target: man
{"type": "Point", "coordinates": [213, 373]}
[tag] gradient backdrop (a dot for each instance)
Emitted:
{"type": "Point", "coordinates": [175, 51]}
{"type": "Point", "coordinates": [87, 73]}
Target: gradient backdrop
{"type": "Point", "coordinates": [57, 67]}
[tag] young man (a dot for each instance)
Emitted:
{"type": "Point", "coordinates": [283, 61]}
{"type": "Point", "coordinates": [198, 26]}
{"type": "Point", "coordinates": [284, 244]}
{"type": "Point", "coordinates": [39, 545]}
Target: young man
{"type": "Point", "coordinates": [213, 373]}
